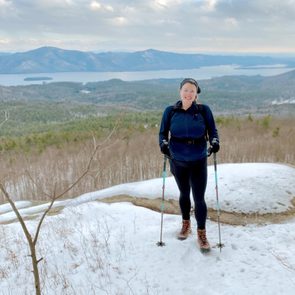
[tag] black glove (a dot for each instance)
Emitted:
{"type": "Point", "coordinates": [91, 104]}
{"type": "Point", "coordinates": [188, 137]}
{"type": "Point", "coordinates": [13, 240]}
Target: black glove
{"type": "Point", "coordinates": [215, 145]}
{"type": "Point", "coordinates": [214, 148]}
{"type": "Point", "coordinates": [165, 148]}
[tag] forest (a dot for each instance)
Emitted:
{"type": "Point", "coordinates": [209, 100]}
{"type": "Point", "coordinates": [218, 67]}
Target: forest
{"type": "Point", "coordinates": [48, 131]}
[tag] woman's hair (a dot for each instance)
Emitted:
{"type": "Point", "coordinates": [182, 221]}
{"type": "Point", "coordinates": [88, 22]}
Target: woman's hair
{"type": "Point", "coordinates": [191, 81]}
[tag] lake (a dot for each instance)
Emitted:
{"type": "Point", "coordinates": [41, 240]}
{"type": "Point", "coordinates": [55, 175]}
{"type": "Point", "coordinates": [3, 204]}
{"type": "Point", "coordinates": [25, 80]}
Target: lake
{"type": "Point", "coordinates": [199, 74]}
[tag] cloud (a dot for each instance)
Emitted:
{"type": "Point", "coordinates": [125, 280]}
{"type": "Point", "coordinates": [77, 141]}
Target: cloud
{"type": "Point", "coordinates": [209, 5]}
{"type": "Point", "coordinates": [231, 22]}
{"type": "Point", "coordinates": [97, 6]}
{"type": "Point", "coordinates": [164, 4]}
{"type": "Point", "coordinates": [4, 41]}
{"type": "Point", "coordinates": [94, 5]}
{"type": "Point", "coordinates": [52, 4]}
{"type": "Point", "coordinates": [258, 9]}
{"type": "Point", "coordinates": [119, 21]}
{"type": "Point", "coordinates": [6, 8]}
{"type": "Point", "coordinates": [4, 3]}
{"type": "Point", "coordinates": [178, 25]}
{"type": "Point", "coordinates": [109, 8]}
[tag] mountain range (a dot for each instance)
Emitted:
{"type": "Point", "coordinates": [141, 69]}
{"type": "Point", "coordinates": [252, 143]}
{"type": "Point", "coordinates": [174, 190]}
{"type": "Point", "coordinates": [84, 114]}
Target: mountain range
{"type": "Point", "coordinates": [52, 59]}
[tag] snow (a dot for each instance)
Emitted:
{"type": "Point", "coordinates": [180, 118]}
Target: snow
{"type": "Point", "coordinates": [248, 187]}
{"type": "Point", "coordinates": [283, 101]}
{"type": "Point", "coordinates": [7, 208]}
{"type": "Point", "coordinates": [92, 247]}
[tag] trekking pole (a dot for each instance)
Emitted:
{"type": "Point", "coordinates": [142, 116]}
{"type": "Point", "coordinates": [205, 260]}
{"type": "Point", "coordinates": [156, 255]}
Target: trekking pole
{"type": "Point", "coordinates": [161, 243]}
{"type": "Point", "coordinates": [219, 245]}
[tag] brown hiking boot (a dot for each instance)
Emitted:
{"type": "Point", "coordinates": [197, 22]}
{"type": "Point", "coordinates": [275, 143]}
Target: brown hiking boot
{"type": "Point", "coordinates": [185, 230]}
{"type": "Point", "coordinates": [202, 241]}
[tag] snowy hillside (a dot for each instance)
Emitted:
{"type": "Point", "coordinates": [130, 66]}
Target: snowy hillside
{"type": "Point", "coordinates": [91, 247]}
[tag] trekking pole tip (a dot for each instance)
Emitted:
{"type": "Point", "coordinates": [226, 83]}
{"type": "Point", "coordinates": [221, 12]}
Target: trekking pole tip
{"type": "Point", "coordinates": [220, 246]}
{"type": "Point", "coordinates": [160, 244]}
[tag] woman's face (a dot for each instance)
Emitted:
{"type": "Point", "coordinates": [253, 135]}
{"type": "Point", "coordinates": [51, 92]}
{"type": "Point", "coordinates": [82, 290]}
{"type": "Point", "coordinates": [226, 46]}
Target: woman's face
{"type": "Point", "coordinates": [188, 92]}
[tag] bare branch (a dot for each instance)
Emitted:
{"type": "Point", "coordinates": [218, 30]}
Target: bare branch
{"type": "Point", "coordinates": [35, 183]}
{"type": "Point", "coordinates": [41, 221]}
{"type": "Point", "coordinates": [32, 242]}
{"type": "Point", "coordinates": [6, 117]}
{"type": "Point", "coordinates": [15, 210]}
{"type": "Point", "coordinates": [283, 261]}
{"type": "Point", "coordinates": [86, 171]}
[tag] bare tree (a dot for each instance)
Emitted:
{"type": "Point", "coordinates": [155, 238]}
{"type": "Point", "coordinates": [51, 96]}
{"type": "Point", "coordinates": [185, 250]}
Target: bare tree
{"type": "Point", "coordinates": [32, 239]}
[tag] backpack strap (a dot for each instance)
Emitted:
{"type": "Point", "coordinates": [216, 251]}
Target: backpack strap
{"type": "Point", "coordinates": [199, 110]}
{"type": "Point", "coordinates": [170, 115]}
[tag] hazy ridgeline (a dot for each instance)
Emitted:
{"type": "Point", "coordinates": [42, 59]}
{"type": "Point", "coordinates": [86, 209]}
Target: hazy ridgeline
{"type": "Point", "coordinates": [132, 154]}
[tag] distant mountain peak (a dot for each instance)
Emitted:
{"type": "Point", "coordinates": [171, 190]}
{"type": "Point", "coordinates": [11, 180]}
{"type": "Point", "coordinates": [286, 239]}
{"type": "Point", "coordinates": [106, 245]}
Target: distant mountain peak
{"type": "Point", "coordinates": [54, 59]}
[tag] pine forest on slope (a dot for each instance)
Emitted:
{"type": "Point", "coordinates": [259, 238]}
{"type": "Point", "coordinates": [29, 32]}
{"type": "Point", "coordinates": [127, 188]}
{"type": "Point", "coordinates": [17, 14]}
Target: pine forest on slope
{"type": "Point", "coordinates": [226, 95]}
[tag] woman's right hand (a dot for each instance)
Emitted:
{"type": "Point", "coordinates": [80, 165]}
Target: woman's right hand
{"type": "Point", "coordinates": [165, 148]}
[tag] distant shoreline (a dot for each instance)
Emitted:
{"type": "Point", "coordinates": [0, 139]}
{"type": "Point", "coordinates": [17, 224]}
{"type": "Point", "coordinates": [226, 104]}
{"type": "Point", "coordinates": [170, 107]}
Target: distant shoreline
{"type": "Point", "coordinates": [202, 73]}
{"type": "Point", "coordinates": [38, 78]}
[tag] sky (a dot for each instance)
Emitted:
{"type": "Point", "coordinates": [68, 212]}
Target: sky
{"type": "Point", "coordinates": [187, 26]}
{"type": "Point", "coordinates": [91, 247]}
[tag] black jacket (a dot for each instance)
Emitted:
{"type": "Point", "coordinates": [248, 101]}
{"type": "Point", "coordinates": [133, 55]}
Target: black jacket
{"type": "Point", "coordinates": [186, 131]}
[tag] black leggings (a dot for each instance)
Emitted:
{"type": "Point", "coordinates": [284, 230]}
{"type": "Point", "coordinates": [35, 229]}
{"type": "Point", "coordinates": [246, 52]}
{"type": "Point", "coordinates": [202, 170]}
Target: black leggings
{"type": "Point", "coordinates": [191, 175]}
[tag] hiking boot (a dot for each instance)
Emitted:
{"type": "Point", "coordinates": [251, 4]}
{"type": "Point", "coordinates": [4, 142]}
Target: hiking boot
{"type": "Point", "coordinates": [185, 230]}
{"type": "Point", "coordinates": [202, 241]}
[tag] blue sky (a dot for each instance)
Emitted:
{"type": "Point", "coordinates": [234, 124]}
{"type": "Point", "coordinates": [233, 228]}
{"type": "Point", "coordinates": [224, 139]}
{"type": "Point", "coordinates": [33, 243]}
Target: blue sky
{"type": "Point", "coordinates": [207, 26]}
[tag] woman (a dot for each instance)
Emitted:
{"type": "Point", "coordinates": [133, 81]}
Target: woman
{"type": "Point", "coordinates": [185, 128]}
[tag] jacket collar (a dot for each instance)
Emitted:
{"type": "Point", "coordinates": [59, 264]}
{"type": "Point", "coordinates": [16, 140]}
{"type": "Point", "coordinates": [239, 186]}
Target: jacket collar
{"type": "Point", "coordinates": [193, 108]}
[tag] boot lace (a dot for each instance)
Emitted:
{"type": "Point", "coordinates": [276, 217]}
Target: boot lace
{"type": "Point", "coordinates": [185, 227]}
{"type": "Point", "coordinates": [202, 238]}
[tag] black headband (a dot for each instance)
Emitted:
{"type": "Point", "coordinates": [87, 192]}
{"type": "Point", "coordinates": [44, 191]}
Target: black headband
{"type": "Point", "coordinates": [191, 81]}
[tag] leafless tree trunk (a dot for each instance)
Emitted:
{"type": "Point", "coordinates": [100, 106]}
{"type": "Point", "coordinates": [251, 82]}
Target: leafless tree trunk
{"type": "Point", "coordinates": [32, 240]}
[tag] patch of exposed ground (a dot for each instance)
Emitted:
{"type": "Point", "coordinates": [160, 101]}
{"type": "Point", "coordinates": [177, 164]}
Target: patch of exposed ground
{"type": "Point", "coordinates": [233, 218]}
{"type": "Point", "coordinates": [172, 207]}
